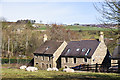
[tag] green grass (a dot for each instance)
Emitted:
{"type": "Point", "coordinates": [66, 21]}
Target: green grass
{"type": "Point", "coordinates": [77, 28]}
{"type": "Point", "coordinates": [87, 28]}
{"type": "Point", "coordinates": [42, 28]}
{"type": "Point", "coordinates": [43, 74]}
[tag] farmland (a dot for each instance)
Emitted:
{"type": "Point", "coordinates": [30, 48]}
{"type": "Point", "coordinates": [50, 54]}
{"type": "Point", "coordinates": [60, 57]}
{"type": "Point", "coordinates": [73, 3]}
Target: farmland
{"type": "Point", "coordinates": [84, 28]}
{"type": "Point", "coordinates": [43, 74]}
{"type": "Point", "coordinates": [24, 39]}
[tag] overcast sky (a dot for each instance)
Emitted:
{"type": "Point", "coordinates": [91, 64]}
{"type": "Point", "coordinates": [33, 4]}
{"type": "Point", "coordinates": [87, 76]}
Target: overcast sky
{"type": "Point", "coordinates": [68, 12]}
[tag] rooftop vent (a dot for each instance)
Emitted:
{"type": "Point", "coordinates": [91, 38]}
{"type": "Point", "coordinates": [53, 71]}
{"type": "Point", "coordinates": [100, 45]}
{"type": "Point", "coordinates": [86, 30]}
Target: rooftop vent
{"type": "Point", "coordinates": [77, 49]}
{"type": "Point", "coordinates": [84, 49]}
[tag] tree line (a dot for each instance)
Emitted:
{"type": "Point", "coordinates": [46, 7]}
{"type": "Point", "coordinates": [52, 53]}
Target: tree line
{"type": "Point", "coordinates": [21, 40]}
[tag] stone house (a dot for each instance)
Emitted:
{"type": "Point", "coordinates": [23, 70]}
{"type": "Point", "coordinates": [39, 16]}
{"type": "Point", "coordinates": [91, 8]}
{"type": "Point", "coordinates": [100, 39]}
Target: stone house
{"type": "Point", "coordinates": [85, 52]}
{"type": "Point", "coordinates": [73, 53]}
{"type": "Point", "coordinates": [48, 53]}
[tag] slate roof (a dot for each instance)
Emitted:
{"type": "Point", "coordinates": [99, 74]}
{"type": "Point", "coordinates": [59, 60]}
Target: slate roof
{"type": "Point", "coordinates": [80, 48]}
{"type": "Point", "coordinates": [116, 53]}
{"type": "Point", "coordinates": [49, 47]}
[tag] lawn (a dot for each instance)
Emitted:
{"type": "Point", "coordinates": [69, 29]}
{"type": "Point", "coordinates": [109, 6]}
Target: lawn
{"type": "Point", "coordinates": [13, 74]}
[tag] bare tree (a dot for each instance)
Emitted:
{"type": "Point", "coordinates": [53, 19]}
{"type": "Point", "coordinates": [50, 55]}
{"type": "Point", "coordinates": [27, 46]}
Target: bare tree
{"type": "Point", "coordinates": [110, 13]}
{"type": "Point", "coordinates": [58, 32]}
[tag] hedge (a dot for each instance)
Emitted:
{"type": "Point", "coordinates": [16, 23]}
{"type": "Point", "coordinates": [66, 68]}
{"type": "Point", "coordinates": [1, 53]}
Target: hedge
{"type": "Point", "coordinates": [19, 61]}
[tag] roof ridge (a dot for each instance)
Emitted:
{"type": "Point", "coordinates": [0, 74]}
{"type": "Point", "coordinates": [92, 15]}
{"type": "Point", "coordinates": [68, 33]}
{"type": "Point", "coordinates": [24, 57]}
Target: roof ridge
{"type": "Point", "coordinates": [88, 39]}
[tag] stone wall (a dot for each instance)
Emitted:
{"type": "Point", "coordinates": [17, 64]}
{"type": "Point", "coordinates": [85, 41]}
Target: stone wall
{"type": "Point", "coordinates": [58, 53]}
{"type": "Point", "coordinates": [99, 54]}
{"type": "Point", "coordinates": [70, 62]}
{"type": "Point", "coordinates": [43, 63]}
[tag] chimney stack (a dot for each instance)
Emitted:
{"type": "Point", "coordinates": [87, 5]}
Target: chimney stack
{"type": "Point", "coordinates": [101, 38]}
{"type": "Point", "coordinates": [45, 38]}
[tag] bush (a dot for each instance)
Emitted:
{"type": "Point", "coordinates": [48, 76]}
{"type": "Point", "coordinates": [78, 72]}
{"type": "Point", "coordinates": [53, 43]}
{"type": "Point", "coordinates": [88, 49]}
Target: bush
{"type": "Point", "coordinates": [19, 61]}
{"type": "Point", "coordinates": [61, 69]}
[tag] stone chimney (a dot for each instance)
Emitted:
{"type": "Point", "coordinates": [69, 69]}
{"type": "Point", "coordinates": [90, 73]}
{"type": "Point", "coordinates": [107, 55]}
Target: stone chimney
{"type": "Point", "coordinates": [101, 38]}
{"type": "Point", "coordinates": [45, 38]}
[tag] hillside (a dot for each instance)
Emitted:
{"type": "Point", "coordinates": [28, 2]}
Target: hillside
{"type": "Point", "coordinates": [23, 39]}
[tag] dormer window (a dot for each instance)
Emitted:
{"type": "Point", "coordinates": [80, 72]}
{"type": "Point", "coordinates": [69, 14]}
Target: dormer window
{"type": "Point", "coordinates": [88, 51]}
{"type": "Point", "coordinates": [67, 51]}
{"type": "Point", "coordinates": [84, 49]}
{"type": "Point", "coordinates": [47, 48]}
{"type": "Point", "coordinates": [77, 49]}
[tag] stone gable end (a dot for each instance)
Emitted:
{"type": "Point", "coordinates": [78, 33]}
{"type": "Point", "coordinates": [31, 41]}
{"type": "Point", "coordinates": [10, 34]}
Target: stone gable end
{"type": "Point", "coordinates": [99, 54]}
{"type": "Point", "coordinates": [58, 52]}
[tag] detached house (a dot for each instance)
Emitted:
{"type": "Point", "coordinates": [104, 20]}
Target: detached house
{"type": "Point", "coordinates": [61, 54]}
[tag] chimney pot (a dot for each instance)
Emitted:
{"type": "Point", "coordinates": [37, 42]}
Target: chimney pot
{"type": "Point", "coordinates": [101, 38]}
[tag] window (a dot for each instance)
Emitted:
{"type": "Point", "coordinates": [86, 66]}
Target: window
{"type": "Point", "coordinates": [84, 49]}
{"type": "Point", "coordinates": [43, 65]}
{"type": "Point", "coordinates": [49, 58]}
{"type": "Point", "coordinates": [50, 65]}
{"type": "Point", "coordinates": [77, 49]}
{"type": "Point", "coordinates": [42, 57]}
{"type": "Point", "coordinates": [66, 59]}
{"type": "Point", "coordinates": [85, 59]}
{"type": "Point", "coordinates": [74, 60]}
{"type": "Point", "coordinates": [88, 51]}
{"type": "Point", "coordinates": [47, 65]}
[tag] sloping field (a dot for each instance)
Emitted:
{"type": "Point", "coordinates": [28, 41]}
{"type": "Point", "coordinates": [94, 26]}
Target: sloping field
{"type": "Point", "coordinates": [87, 28]}
{"type": "Point", "coordinates": [77, 28]}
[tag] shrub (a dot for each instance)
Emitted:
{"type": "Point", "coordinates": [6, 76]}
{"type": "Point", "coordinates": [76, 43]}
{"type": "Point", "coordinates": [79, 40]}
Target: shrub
{"type": "Point", "coordinates": [61, 69]}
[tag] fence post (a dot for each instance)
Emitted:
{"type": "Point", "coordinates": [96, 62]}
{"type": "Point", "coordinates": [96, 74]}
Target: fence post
{"type": "Point", "coordinates": [96, 67]}
{"type": "Point", "coordinates": [118, 66]}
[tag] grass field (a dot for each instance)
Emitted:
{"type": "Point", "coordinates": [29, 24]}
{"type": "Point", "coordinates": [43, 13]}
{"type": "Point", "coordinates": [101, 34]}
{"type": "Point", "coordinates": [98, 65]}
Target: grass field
{"type": "Point", "coordinates": [77, 28]}
{"type": "Point", "coordinates": [13, 74]}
